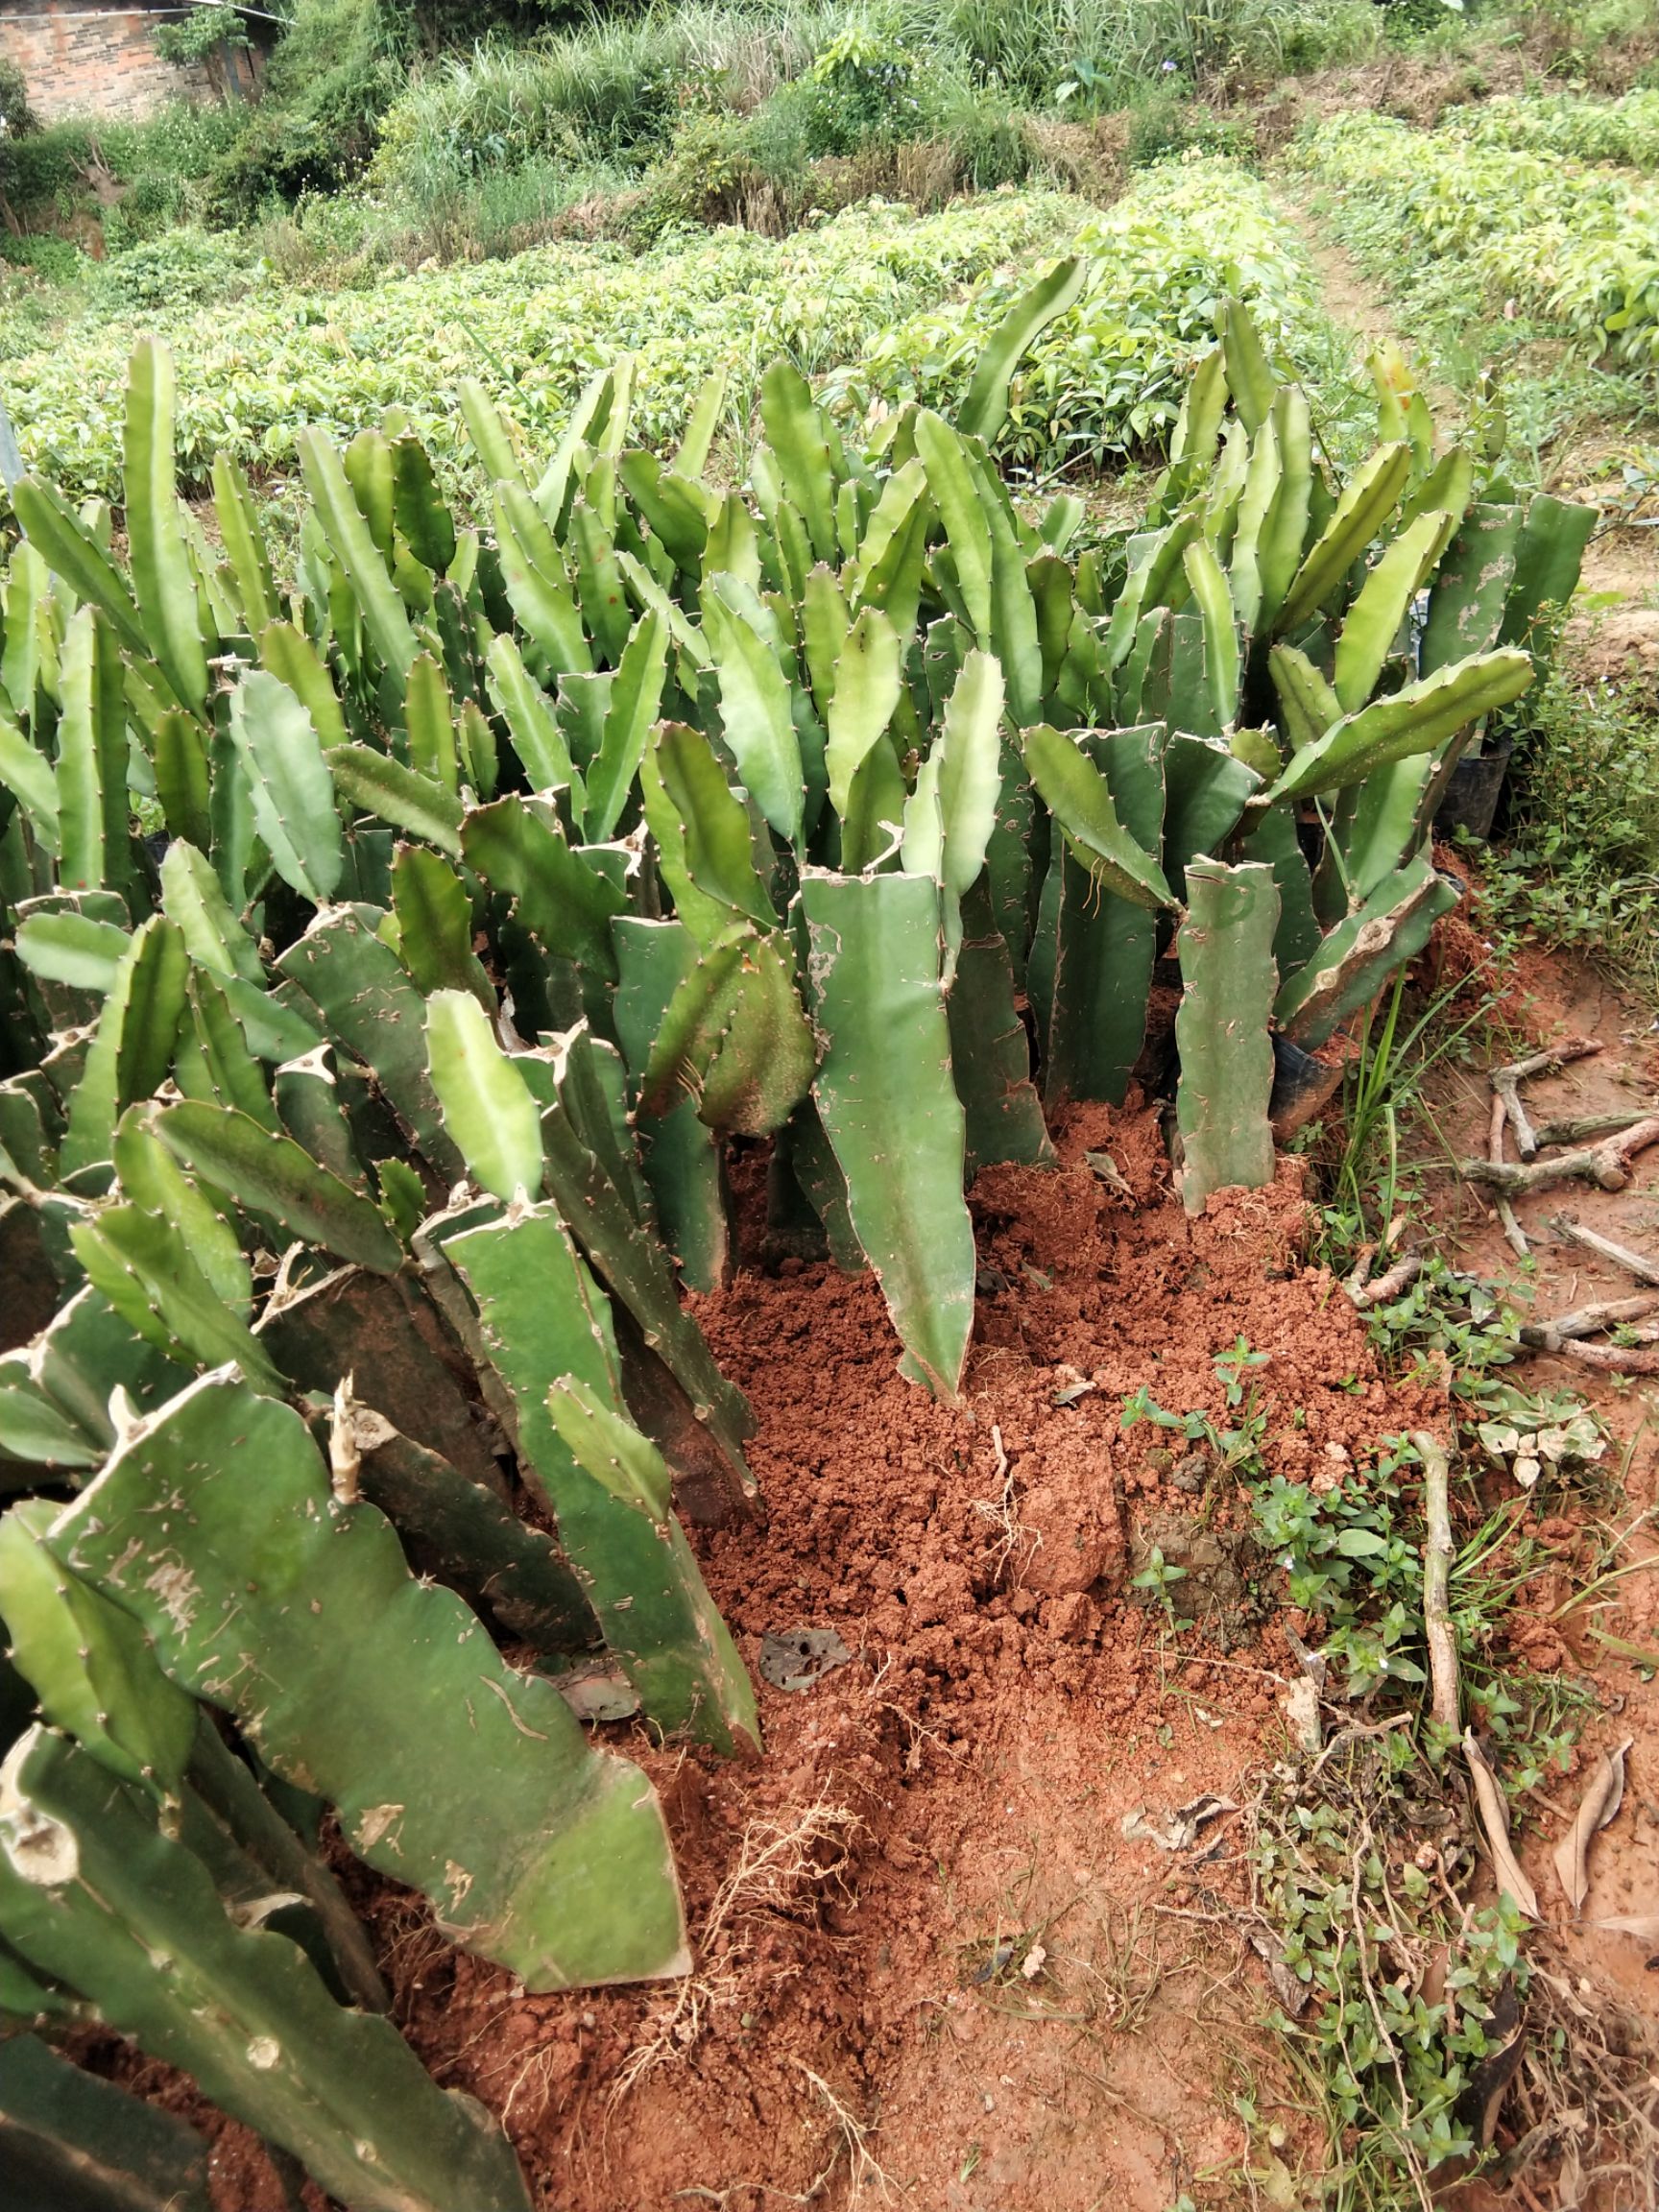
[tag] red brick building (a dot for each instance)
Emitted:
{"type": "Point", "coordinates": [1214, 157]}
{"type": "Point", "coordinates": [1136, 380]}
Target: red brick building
{"type": "Point", "coordinates": [94, 56]}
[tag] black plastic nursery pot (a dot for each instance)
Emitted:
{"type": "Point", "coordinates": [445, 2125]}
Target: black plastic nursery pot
{"type": "Point", "coordinates": [1473, 790]}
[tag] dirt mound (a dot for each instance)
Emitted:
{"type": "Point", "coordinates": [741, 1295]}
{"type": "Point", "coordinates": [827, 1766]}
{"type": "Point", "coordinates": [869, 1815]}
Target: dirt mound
{"type": "Point", "coordinates": [942, 1936]}
{"type": "Point", "coordinates": [868, 1902]}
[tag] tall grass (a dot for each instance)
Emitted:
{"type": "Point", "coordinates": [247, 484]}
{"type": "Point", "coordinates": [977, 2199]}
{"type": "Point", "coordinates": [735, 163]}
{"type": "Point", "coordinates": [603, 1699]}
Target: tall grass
{"type": "Point", "coordinates": [718, 108]}
{"type": "Point", "coordinates": [614, 88]}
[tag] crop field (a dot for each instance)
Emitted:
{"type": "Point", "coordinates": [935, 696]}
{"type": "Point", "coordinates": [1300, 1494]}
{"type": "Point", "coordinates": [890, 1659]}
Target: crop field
{"type": "Point", "coordinates": [829, 1111]}
{"type": "Point", "coordinates": [892, 306]}
{"type": "Point", "coordinates": [1576, 238]}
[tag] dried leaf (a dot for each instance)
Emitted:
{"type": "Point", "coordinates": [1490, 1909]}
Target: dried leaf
{"type": "Point", "coordinates": [801, 1657]}
{"type": "Point", "coordinates": [1495, 1827]}
{"type": "Point", "coordinates": [1300, 1706]}
{"type": "Point", "coordinates": [1295, 1996]}
{"type": "Point", "coordinates": [1490, 2081]}
{"type": "Point", "coordinates": [1180, 1828]}
{"type": "Point", "coordinates": [1603, 1794]}
{"type": "Point", "coordinates": [1644, 1925]}
{"type": "Point", "coordinates": [1111, 1174]}
{"type": "Point", "coordinates": [596, 1690]}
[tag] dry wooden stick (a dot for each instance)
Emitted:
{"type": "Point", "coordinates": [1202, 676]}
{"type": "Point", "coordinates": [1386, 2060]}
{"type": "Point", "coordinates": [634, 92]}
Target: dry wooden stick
{"type": "Point", "coordinates": [1506, 1082]}
{"type": "Point", "coordinates": [1398, 1278]}
{"type": "Point", "coordinates": [1514, 1236]}
{"type": "Point", "coordinates": [1588, 1321]}
{"type": "Point", "coordinates": [1637, 1264]}
{"type": "Point", "coordinates": [1615, 1358]}
{"type": "Point", "coordinates": [1436, 1582]}
{"type": "Point", "coordinates": [1581, 1127]}
{"type": "Point", "coordinates": [1607, 1164]}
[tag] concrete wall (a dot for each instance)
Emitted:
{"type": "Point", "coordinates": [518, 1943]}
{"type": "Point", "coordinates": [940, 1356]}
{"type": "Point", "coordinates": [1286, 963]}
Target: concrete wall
{"type": "Point", "coordinates": [92, 57]}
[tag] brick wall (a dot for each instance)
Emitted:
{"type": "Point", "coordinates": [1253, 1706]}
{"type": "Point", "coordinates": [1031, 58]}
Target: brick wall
{"type": "Point", "coordinates": [92, 57]}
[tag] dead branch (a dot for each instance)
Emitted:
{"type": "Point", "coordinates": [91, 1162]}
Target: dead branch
{"type": "Point", "coordinates": [1607, 1164]}
{"type": "Point", "coordinates": [1637, 1264]}
{"type": "Point", "coordinates": [1514, 1236]}
{"type": "Point", "coordinates": [1615, 1358]}
{"type": "Point", "coordinates": [1436, 1582]}
{"type": "Point", "coordinates": [1580, 1128]}
{"type": "Point", "coordinates": [1507, 1084]}
{"type": "Point", "coordinates": [1495, 1128]}
{"type": "Point", "coordinates": [1398, 1279]}
{"type": "Point", "coordinates": [1588, 1321]}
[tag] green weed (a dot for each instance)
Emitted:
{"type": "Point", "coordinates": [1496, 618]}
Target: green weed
{"type": "Point", "coordinates": [1579, 869]}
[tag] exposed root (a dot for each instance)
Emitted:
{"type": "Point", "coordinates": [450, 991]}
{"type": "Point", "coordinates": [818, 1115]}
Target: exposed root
{"type": "Point", "coordinates": [1384, 1288]}
{"type": "Point", "coordinates": [1000, 1511]}
{"type": "Point", "coordinates": [1585, 2099]}
{"type": "Point", "coordinates": [1615, 1358]}
{"type": "Point", "coordinates": [1552, 1334]}
{"type": "Point", "coordinates": [783, 1870]}
{"type": "Point", "coordinates": [1437, 1554]}
{"type": "Point", "coordinates": [863, 2171]}
{"type": "Point", "coordinates": [1637, 1264]}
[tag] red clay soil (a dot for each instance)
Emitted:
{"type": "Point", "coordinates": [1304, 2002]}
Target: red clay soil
{"type": "Point", "coordinates": [931, 1965]}
{"type": "Point", "coordinates": [961, 1783]}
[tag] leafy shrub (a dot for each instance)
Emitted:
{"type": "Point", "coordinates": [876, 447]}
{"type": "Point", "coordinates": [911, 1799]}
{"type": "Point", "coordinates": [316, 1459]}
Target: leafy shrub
{"type": "Point", "coordinates": [501, 107]}
{"type": "Point", "coordinates": [16, 117]}
{"type": "Point", "coordinates": [1107, 49]}
{"type": "Point", "coordinates": [55, 258]}
{"type": "Point", "coordinates": [195, 35]}
{"type": "Point", "coordinates": [863, 92]}
{"type": "Point", "coordinates": [1582, 866]}
{"type": "Point", "coordinates": [187, 264]}
{"type": "Point", "coordinates": [707, 176]}
{"type": "Point", "coordinates": [1626, 130]}
{"type": "Point", "coordinates": [331, 78]}
{"type": "Point", "coordinates": [46, 168]}
{"type": "Point", "coordinates": [986, 132]}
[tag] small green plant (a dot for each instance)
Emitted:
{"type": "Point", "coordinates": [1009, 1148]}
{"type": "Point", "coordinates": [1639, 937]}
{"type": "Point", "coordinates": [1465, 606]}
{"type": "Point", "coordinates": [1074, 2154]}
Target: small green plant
{"type": "Point", "coordinates": [1385, 2058]}
{"type": "Point", "coordinates": [1345, 1558]}
{"type": "Point", "coordinates": [1158, 1577]}
{"type": "Point", "coordinates": [1164, 121]}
